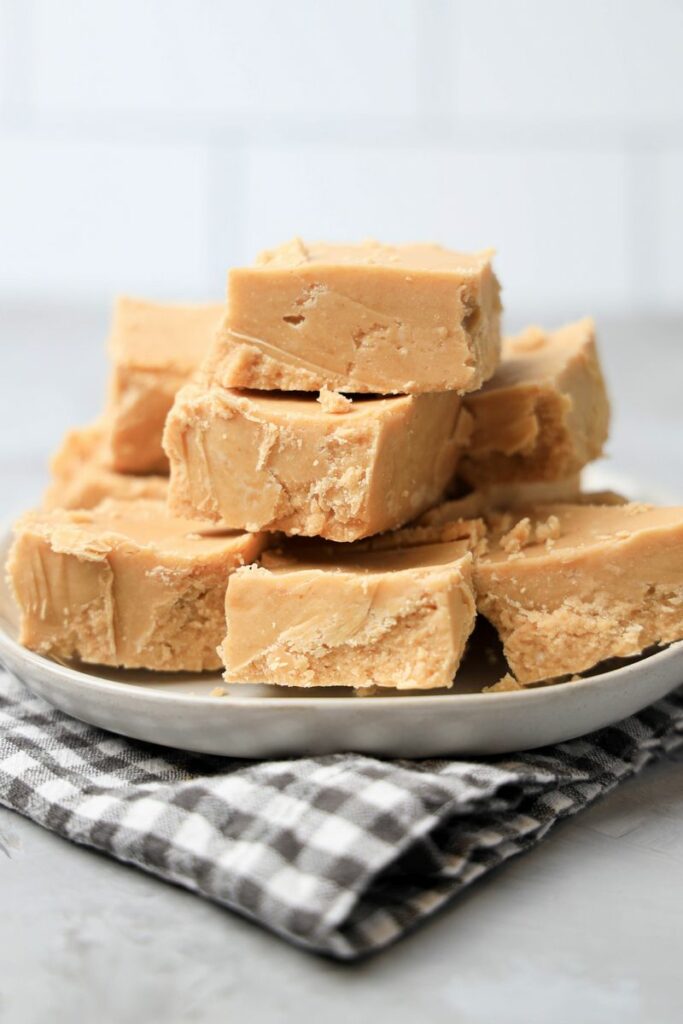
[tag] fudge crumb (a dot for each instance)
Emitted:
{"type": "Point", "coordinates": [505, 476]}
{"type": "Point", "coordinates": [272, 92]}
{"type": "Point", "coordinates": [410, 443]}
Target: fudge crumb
{"type": "Point", "coordinates": [504, 685]}
{"type": "Point", "coordinates": [549, 530]}
{"type": "Point", "coordinates": [218, 691]}
{"type": "Point", "coordinates": [515, 539]}
{"type": "Point", "coordinates": [365, 691]}
{"type": "Point", "coordinates": [332, 401]}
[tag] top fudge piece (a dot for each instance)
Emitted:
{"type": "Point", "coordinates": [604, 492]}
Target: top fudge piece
{"type": "Point", "coordinates": [154, 350]}
{"type": "Point", "coordinates": [545, 412]}
{"type": "Point", "coordinates": [125, 584]}
{"type": "Point", "coordinates": [367, 318]}
{"type": "Point", "coordinates": [82, 475]}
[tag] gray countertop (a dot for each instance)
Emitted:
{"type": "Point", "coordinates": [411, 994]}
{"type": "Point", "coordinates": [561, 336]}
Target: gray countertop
{"type": "Point", "coordinates": [585, 928]}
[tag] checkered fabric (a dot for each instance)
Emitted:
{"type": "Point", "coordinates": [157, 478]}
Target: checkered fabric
{"type": "Point", "coordinates": [340, 854]}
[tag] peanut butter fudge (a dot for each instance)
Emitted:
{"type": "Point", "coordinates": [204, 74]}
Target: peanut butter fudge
{"type": "Point", "coordinates": [545, 412]}
{"type": "Point", "coordinates": [126, 584]}
{"type": "Point", "coordinates": [568, 586]}
{"type": "Point", "coordinates": [487, 500]}
{"type": "Point", "coordinates": [313, 617]}
{"type": "Point", "coordinates": [82, 475]}
{"type": "Point", "coordinates": [520, 492]}
{"type": "Point", "coordinates": [368, 318]}
{"type": "Point", "coordinates": [154, 350]}
{"type": "Point", "coordinates": [277, 461]}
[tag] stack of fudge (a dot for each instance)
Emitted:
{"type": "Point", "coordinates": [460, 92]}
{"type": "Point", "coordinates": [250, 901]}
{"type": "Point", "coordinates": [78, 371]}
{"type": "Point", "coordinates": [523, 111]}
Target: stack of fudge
{"type": "Point", "coordinates": [324, 482]}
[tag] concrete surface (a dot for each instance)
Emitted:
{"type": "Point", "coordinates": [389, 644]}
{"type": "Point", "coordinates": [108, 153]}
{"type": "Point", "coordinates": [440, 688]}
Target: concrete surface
{"type": "Point", "coordinates": [586, 928]}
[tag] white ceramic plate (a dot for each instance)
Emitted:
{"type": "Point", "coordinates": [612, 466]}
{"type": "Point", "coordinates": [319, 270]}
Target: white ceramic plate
{"type": "Point", "coordinates": [177, 709]}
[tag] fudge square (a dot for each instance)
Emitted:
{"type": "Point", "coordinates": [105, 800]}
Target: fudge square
{"type": "Point", "coordinates": [82, 475]}
{"type": "Point", "coordinates": [154, 350]}
{"type": "Point", "coordinates": [312, 616]}
{"type": "Point", "coordinates": [125, 584]}
{"type": "Point", "coordinates": [509, 497]}
{"type": "Point", "coordinates": [326, 466]}
{"type": "Point", "coordinates": [568, 586]}
{"type": "Point", "coordinates": [367, 318]}
{"type": "Point", "coordinates": [545, 412]}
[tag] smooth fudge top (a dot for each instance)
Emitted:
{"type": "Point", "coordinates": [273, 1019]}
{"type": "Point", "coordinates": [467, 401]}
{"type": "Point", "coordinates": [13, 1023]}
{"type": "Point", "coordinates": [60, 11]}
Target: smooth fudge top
{"type": "Point", "coordinates": [553, 531]}
{"type": "Point", "coordinates": [373, 256]}
{"type": "Point", "coordinates": [140, 524]}
{"type": "Point", "coordinates": [301, 555]}
{"type": "Point", "coordinates": [162, 336]}
{"type": "Point", "coordinates": [290, 408]}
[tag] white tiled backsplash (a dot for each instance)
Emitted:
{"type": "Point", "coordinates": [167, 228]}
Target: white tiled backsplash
{"type": "Point", "coordinates": [145, 145]}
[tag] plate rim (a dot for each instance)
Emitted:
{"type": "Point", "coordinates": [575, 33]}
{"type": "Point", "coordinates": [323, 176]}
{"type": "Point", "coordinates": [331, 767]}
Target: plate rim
{"type": "Point", "coordinates": [531, 695]}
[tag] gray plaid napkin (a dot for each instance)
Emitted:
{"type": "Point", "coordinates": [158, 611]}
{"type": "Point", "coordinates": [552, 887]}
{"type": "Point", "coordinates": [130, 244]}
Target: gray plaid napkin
{"type": "Point", "coordinates": [340, 854]}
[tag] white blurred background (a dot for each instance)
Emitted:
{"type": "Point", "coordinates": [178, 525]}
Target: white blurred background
{"type": "Point", "coordinates": [147, 145]}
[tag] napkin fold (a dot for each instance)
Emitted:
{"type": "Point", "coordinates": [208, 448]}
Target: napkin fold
{"type": "Point", "coordinates": [340, 854]}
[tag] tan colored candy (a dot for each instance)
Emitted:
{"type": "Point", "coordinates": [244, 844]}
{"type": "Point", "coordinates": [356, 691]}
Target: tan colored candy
{"type": "Point", "coordinates": [545, 412]}
{"type": "Point", "coordinates": [277, 461]}
{"type": "Point", "coordinates": [370, 318]}
{"type": "Point", "coordinates": [154, 350]}
{"type": "Point", "coordinates": [125, 584]}
{"type": "Point", "coordinates": [315, 616]}
{"type": "Point", "coordinates": [82, 475]}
